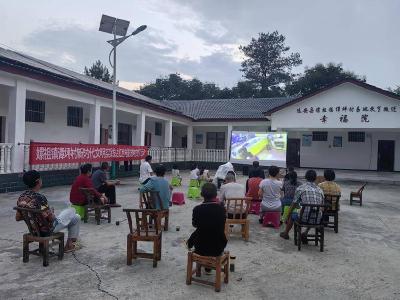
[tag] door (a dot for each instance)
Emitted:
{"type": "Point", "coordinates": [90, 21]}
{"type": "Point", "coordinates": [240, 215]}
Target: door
{"type": "Point", "coordinates": [293, 153]}
{"type": "Point", "coordinates": [124, 134]}
{"type": "Point", "coordinates": [385, 156]}
{"type": "Point", "coordinates": [147, 139]}
{"type": "Point", "coordinates": [2, 129]}
{"type": "Point", "coordinates": [184, 142]}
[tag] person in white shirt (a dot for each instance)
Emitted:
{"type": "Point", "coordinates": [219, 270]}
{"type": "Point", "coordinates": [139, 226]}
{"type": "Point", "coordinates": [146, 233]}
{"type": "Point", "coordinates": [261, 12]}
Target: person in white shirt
{"type": "Point", "coordinates": [270, 192]}
{"type": "Point", "coordinates": [145, 170]}
{"type": "Point", "coordinates": [231, 189]}
{"type": "Point", "coordinates": [194, 173]}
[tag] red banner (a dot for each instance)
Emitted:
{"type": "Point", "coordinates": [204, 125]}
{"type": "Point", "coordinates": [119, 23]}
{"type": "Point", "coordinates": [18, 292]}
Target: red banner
{"type": "Point", "coordinates": [54, 153]}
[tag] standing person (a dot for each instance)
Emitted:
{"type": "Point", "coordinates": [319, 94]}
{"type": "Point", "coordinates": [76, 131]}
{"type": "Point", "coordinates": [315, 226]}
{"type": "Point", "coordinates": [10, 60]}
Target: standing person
{"type": "Point", "coordinates": [270, 192]}
{"type": "Point", "coordinates": [145, 170]}
{"type": "Point", "coordinates": [159, 184]}
{"type": "Point", "coordinates": [256, 171]}
{"type": "Point", "coordinates": [307, 193]}
{"type": "Point", "coordinates": [209, 220]}
{"type": "Point", "coordinates": [32, 199]}
{"type": "Point", "coordinates": [99, 179]}
{"type": "Point", "coordinates": [289, 188]}
{"type": "Point", "coordinates": [76, 197]}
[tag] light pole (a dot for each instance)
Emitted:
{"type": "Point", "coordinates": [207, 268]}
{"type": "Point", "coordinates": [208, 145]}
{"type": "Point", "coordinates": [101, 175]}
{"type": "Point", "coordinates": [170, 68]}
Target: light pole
{"type": "Point", "coordinates": [117, 27]}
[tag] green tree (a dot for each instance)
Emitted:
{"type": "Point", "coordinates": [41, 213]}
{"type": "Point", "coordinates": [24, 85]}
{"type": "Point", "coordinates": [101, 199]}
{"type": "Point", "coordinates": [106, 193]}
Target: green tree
{"type": "Point", "coordinates": [318, 77]}
{"type": "Point", "coordinates": [267, 62]}
{"type": "Point", "coordinates": [98, 71]}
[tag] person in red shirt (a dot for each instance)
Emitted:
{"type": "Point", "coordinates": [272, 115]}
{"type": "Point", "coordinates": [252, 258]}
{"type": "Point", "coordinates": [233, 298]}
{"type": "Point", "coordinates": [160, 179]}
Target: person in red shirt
{"type": "Point", "coordinates": [253, 185]}
{"type": "Point", "coordinates": [76, 197]}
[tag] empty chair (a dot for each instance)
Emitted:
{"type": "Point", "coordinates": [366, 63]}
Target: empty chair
{"type": "Point", "coordinates": [357, 196]}
{"type": "Point", "coordinates": [237, 210]}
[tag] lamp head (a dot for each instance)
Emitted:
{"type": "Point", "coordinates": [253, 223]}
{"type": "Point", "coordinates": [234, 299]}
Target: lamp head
{"type": "Point", "coordinates": [139, 29]}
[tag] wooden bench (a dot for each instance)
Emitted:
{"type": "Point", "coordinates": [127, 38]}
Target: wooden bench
{"type": "Point", "coordinates": [357, 196]}
{"type": "Point", "coordinates": [93, 209]}
{"type": "Point", "coordinates": [30, 217]}
{"type": "Point", "coordinates": [219, 264]}
{"type": "Point", "coordinates": [145, 231]}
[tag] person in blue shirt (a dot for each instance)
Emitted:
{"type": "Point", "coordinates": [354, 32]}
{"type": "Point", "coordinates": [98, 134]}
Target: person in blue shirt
{"type": "Point", "coordinates": [159, 184]}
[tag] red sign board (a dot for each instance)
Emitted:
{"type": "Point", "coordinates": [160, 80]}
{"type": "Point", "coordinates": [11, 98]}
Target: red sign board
{"type": "Point", "coordinates": [54, 153]}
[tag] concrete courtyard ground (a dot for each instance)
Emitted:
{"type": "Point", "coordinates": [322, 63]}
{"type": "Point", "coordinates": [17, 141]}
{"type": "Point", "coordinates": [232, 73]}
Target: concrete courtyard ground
{"type": "Point", "coordinates": [362, 261]}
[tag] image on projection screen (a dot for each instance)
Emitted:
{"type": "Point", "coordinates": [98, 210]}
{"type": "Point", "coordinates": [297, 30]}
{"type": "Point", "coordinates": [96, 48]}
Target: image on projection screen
{"type": "Point", "coordinates": [268, 148]}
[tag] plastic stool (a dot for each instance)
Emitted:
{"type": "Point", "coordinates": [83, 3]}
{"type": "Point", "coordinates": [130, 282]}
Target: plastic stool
{"type": "Point", "coordinates": [178, 198]}
{"type": "Point", "coordinates": [176, 181]}
{"type": "Point", "coordinates": [194, 192]}
{"type": "Point", "coordinates": [255, 207]}
{"type": "Point", "coordinates": [193, 183]}
{"type": "Point", "coordinates": [80, 210]}
{"type": "Point", "coordinates": [272, 218]}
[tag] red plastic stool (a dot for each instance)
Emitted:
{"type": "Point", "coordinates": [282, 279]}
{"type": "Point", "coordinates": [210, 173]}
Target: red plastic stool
{"type": "Point", "coordinates": [178, 198]}
{"type": "Point", "coordinates": [255, 207]}
{"type": "Point", "coordinates": [272, 218]}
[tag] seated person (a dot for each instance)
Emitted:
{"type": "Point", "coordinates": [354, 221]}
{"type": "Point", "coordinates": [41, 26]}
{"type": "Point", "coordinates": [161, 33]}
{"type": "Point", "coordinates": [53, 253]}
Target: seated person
{"type": "Point", "coordinates": [145, 170]}
{"type": "Point", "coordinates": [231, 189]}
{"type": "Point", "coordinates": [288, 170]}
{"type": "Point", "coordinates": [194, 172]}
{"type": "Point", "coordinates": [76, 197]}
{"type": "Point", "coordinates": [99, 179]}
{"type": "Point", "coordinates": [289, 188]}
{"type": "Point", "coordinates": [32, 199]}
{"type": "Point", "coordinates": [204, 175]}
{"type": "Point", "coordinates": [253, 185]}
{"type": "Point", "coordinates": [176, 174]}
{"type": "Point", "coordinates": [307, 193]}
{"type": "Point", "coordinates": [329, 187]}
{"type": "Point", "coordinates": [270, 192]}
{"type": "Point", "coordinates": [256, 171]}
{"type": "Point", "coordinates": [159, 184]}
{"type": "Point", "coordinates": [209, 220]}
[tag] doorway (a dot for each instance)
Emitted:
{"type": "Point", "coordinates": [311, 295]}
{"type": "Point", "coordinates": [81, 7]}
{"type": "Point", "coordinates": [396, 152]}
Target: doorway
{"type": "Point", "coordinates": [386, 155]}
{"type": "Point", "coordinates": [293, 153]}
{"type": "Point", "coordinates": [2, 129]}
{"type": "Point", "coordinates": [147, 139]}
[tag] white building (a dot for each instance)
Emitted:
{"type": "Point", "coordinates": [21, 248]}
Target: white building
{"type": "Point", "coordinates": [46, 103]}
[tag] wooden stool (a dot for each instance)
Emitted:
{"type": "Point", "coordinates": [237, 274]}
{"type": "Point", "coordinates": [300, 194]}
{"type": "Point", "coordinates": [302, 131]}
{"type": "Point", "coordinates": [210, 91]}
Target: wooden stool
{"type": "Point", "coordinates": [218, 263]}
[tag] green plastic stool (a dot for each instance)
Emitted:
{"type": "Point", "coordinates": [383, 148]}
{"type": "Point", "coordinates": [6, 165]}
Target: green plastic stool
{"type": "Point", "coordinates": [80, 210]}
{"type": "Point", "coordinates": [284, 217]}
{"type": "Point", "coordinates": [193, 192]}
{"type": "Point", "coordinates": [176, 181]}
{"type": "Point", "coordinates": [193, 183]}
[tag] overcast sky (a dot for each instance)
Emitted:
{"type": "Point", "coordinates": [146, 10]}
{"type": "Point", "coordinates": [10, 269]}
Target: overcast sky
{"type": "Point", "coordinates": [200, 38]}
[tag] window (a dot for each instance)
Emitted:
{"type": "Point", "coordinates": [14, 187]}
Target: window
{"type": "Point", "coordinates": [158, 129]}
{"type": "Point", "coordinates": [34, 111]}
{"type": "Point", "coordinates": [74, 116]}
{"type": "Point", "coordinates": [320, 136]}
{"type": "Point", "coordinates": [215, 140]}
{"type": "Point", "coordinates": [357, 136]}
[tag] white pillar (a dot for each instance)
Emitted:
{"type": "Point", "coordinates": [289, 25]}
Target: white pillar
{"type": "Point", "coordinates": [140, 128]}
{"type": "Point", "coordinates": [228, 141]}
{"type": "Point", "coordinates": [168, 134]}
{"type": "Point", "coordinates": [190, 137]}
{"type": "Point", "coordinates": [16, 124]}
{"type": "Point", "coordinates": [94, 123]}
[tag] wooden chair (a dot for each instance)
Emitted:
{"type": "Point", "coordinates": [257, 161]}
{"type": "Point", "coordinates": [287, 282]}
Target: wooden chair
{"type": "Point", "coordinates": [95, 209]}
{"type": "Point", "coordinates": [219, 264]}
{"type": "Point", "coordinates": [149, 200]}
{"type": "Point", "coordinates": [144, 232]}
{"type": "Point", "coordinates": [357, 195]}
{"type": "Point", "coordinates": [332, 208]}
{"type": "Point", "coordinates": [30, 217]}
{"type": "Point", "coordinates": [311, 222]}
{"type": "Point", "coordinates": [237, 210]}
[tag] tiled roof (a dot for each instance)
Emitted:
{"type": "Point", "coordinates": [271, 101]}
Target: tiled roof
{"type": "Point", "coordinates": [227, 109]}
{"type": "Point", "coordinates": [210, 109]}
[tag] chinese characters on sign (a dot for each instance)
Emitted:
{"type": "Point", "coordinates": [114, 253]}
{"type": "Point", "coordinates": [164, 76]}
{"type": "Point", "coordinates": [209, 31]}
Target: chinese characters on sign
{"type": "Point", "coordinates": [43, 153]}
{"type": "Point", "coordinates": [346, 112]}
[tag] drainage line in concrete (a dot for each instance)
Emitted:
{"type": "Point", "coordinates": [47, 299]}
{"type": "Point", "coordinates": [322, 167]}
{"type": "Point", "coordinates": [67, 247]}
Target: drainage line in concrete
{"type": "Point", "coordinates": [97, 275]}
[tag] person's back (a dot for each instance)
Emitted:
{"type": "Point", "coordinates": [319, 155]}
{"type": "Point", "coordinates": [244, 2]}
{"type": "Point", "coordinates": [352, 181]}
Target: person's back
{"type": "Point", "coordinates": [98, 178]}
{"type": "Point", "coordinates": [271, 194]}
{"type": "Point", "coordinates": [329, 187]}
{"type": "Point", "coordinates": [159, 184]}
{"type": "Point", "coordinates": [175, 173]}
{"type": "Point", "coordinates": [209, 220]}
{"type": "Point", "coordinates": [76, 197]}
{"type": "Point", "coordinates": [309, 193]}
{"type": "Point", "coordinates": [253, 187]}
{"type": "Point", "coordinates": [289, 188]}
{"type": "Point", "coordinates": [231, 189]}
